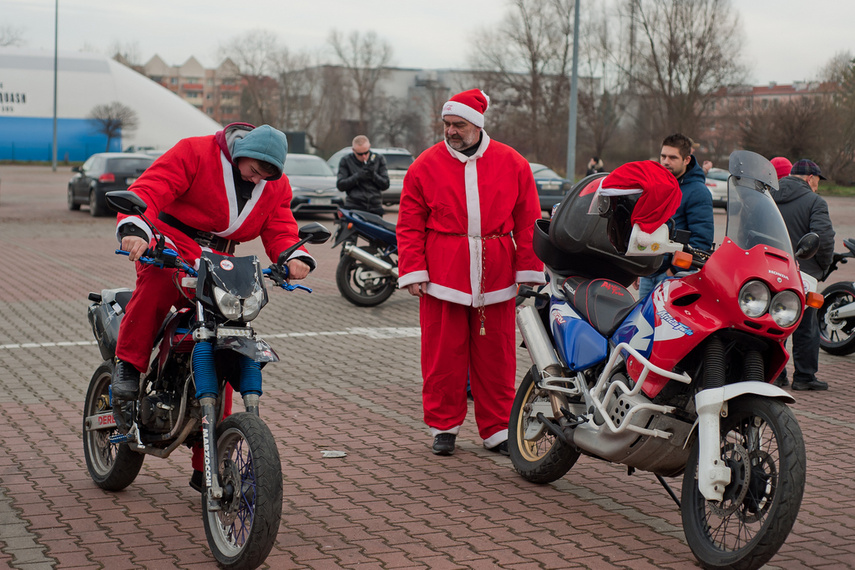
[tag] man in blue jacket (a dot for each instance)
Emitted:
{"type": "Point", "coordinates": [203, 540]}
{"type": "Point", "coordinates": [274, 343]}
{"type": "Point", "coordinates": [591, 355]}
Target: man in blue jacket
{"type": "Point", "coordinates": [695, 213]}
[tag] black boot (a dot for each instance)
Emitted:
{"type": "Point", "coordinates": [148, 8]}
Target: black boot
{"type": "Point", "coordinates": [126, 381]}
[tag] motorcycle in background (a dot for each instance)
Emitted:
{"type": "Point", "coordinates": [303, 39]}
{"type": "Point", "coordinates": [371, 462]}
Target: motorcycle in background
{"type": "Point", "coordinates": [367, 273]}
{"type": "Point", "coordinates": [837, 316]}
{"type": "Point", "coordinates": [676, 383]}
{"type": "Point", "coordinates": [198, 350]}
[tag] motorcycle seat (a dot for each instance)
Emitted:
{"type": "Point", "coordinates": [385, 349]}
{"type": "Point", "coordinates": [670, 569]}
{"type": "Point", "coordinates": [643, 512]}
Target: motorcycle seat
{"type": "Point", "coordinates": [373, 219]}
{"type": "Point", "coordinates": [602, 302]}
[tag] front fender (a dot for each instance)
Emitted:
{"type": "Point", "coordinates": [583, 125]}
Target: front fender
{"type": "Point", "coordinates": [255, 348]}
{"type": "Point", "coordinates": [713, 473]}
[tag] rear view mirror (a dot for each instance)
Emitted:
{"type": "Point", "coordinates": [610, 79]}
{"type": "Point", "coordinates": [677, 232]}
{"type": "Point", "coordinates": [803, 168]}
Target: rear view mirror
{"type": "Point", "coordinates": [807, 246]}
{"type": "Point", "coordinates": [314, 233]}
{"type": "Point", "coordinates": [126, 202]}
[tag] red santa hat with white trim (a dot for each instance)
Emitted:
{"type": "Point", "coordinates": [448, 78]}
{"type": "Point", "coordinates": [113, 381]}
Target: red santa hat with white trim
{"type": "Point", "coordinates": [660, 192]}
{"type": "Point", "coordinates": [469, 105]}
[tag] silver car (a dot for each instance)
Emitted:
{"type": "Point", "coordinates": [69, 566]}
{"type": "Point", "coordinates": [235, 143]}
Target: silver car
{"type": "Point", "coordinates": [717, 184]}
{"type": "Point", "coordinates": [313, 184]}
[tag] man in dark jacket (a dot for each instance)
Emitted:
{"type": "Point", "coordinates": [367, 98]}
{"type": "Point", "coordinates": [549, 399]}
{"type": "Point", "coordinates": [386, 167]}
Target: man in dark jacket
{"type": "Point", "coordinates": [695, 213]}
{"type": "Point", "coordinates": [362, 175]}
{"type": "Point", "coordinates": [804, 211]}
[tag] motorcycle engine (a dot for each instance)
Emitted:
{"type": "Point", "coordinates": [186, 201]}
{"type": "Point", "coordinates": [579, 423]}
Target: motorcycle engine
{"type": "Point", "coordinates": [158, 412]}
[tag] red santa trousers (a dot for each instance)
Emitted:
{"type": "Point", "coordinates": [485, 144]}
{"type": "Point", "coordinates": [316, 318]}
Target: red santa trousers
{"type": "Point", "coordinates": [154, 295]}
{"type": "Point", "coordinates": [453, 349]}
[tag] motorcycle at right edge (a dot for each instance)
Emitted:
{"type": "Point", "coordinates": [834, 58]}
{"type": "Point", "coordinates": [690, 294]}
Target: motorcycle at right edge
{"type": "Point", "coordinates": [837, 316]}
{"type": "Point", "coordinates": [367, 274]}
{"type": "Point", "coordinates": [680, 381]}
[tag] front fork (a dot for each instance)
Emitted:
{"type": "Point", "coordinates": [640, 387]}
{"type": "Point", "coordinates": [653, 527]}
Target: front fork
{"type": "Point", "coordinates": [207, 391]}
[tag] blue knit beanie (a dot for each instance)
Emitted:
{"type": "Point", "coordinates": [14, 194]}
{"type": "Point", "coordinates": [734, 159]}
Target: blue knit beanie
{"type": "Point", "coordinates": [263, 143]}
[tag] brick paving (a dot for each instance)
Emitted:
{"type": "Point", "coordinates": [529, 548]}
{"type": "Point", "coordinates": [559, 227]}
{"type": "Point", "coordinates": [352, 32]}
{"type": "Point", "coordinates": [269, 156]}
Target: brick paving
{"type": "Point", "coordinates": [349, 381]}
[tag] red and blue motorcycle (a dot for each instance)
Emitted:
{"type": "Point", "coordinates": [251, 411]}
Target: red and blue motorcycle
{"type": "Point", "coordinates": [679, 382]}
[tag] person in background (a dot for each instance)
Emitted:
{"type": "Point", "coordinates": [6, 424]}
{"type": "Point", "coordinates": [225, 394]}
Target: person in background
{"type": "Point", "coordinates": [362, 175]}
{"type": "Point", "coordinates": [805, 211]}
{"type": "Point", "coordinates": [695, 213]}
{"type": "Point", "coordinates": [465, 228]}
{"type": "Point", "coordinates": [782, 166]}
{"type": "Point", "coordinates": [595, 165]}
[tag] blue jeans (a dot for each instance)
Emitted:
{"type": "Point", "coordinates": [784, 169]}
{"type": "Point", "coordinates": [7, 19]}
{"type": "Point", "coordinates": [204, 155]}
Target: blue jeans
{"type": "Point", "coordinates": [646, 284]}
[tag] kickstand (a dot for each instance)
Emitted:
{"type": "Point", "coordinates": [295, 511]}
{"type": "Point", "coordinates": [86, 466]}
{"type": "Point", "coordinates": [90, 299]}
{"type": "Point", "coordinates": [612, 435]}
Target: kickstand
{"type": "Point", "coordinates": [669, 490]}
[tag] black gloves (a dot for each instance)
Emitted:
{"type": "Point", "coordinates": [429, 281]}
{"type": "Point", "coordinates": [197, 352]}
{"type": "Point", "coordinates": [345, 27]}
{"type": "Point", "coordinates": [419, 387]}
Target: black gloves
{"type": "Point", "coordinates": [366, 174]}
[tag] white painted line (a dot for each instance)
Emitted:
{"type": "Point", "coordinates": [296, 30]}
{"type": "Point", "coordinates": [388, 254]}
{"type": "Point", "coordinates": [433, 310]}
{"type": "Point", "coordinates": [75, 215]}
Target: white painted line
{"type": "Point", "coordinates": [375, 333]}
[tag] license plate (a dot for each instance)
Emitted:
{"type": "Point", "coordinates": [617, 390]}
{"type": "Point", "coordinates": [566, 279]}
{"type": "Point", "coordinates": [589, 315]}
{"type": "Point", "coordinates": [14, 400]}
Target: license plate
{"type": "Point", "coordinates": [320, 201]}
{"type": "Point", "coordinates": [130, 181]}
{"type": "Point", "coordinates": [223, 332]}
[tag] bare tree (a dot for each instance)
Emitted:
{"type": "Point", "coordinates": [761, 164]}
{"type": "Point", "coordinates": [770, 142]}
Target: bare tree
{"type": "Point", "coordinates": [127, 53]}
{"type": "Point", "coordinates": [11, 36]}
{"type": "Point", "coordinates": [113, 119]}
{"type": "Point", "coordinates": [524, 66]}
{"type": "Point", "coordinates": [604, 93]}
{"type": "Point", "coordinates": [254, 53]}
{"type": "Point", "coordinates": [686, 50]}
{"type": "Point", "coordinates": [366, 58]}
{"type": "Point", "coordinates": [835, 69]}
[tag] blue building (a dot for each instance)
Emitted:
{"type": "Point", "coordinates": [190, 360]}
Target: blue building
{"type": "Point", "coordinates": [84, 81]}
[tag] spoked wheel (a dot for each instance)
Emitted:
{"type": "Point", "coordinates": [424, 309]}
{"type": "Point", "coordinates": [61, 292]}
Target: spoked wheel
{"type": "Point", "coordinates": [112, 466]}
{"type": "Point", "coordinates": [243, 532]}
{"type": "Point", "coordinates": [536, 454]}
{"type": "Point", "coordinates": [836, 335]}
{"type": "Point", "coordinates": [762, 444]}
{"type": "Point", "coordinates": [362, 285]}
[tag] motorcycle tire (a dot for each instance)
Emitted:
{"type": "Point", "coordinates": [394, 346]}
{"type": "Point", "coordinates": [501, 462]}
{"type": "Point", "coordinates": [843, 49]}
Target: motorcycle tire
{"type": "Point", "coordinates": [112, 466]}
{"type": "Point", "coordinates": [836, 336]}
{"type": "Point", "coordinates": [243, 532]}
{"type": "Point", "coordinates": [762, 444]}
{"type": "Point", "coordinates": [358, 283]}
{"type": "Point", "coordinates": [545, 458]}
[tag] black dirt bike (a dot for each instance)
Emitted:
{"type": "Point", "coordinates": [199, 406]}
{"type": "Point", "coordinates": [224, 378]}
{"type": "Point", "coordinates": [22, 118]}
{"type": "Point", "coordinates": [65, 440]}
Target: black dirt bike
{"type": "Point", "coordinates": [181, 399]}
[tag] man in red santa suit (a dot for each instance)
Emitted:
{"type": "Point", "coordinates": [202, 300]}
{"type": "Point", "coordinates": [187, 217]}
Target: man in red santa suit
{"type": "Point", "coordinates": [210, 192]}
{"type": "Point", "coordinates": [465, 225]}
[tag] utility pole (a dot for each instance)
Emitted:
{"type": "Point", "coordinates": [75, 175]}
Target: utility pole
{"type": "Point", "coordinates": [55, 66]}
{"type": "Point", "coordinates": [574, 96]}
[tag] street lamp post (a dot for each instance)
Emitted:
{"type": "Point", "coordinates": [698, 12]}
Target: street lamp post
{"type": "Point", "coordinates": [574, 95]}
{"type": "Point", "coordinates": [55, 64]}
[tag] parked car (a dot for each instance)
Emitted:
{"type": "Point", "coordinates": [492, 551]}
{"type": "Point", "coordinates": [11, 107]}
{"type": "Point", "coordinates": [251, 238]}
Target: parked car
{"type": "Point", "coordinates": [717, 183]}
{"type": "Point", "coordinates": [101, 173]}
{"type": "Point", "coordinates": [398, 160]}
{"type": "Point", "coordinates": [313, 184]}
{"type": "Point", "coordinates": [550, 186]}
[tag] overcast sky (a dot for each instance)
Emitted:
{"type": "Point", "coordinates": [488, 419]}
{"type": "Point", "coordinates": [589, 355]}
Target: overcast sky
{"type": "Point", "coordinates": [785, 40]}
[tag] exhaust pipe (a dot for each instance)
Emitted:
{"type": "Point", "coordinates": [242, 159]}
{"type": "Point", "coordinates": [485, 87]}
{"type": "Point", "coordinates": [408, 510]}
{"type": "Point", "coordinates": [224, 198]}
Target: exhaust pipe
{"type": "Point", "coordinates": [370, 260]}
{"type": "Point", "coordinates": [537, 341]}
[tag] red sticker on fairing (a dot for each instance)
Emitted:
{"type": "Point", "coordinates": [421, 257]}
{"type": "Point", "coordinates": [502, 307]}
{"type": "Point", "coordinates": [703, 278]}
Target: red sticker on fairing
{"type": "Point", "coordinates": [227, 265]}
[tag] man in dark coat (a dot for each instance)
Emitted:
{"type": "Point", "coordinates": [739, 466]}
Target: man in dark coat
{"type": "Point", "coordinates": [804, 211]}
{"type": "Point", "coordinates": [363, 176]}
{"type": "Point", "coordinates": [695, 213]}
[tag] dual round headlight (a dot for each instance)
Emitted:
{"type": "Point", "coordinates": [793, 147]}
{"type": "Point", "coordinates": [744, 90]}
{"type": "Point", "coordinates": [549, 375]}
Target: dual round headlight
{"type": "Point", "coordinates": [755, 300]}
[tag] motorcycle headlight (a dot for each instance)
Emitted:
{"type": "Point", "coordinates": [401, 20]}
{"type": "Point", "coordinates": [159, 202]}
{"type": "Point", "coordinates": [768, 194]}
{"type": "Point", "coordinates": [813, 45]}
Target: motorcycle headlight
{"type": "Point", "coordinates": [785, 308]}
{"type": "Point", "coordinates": [229, 304]}
{"type": "Point", "coordinates": [754, 299]}
{"type": "Point", "coordinates": [252, 304]}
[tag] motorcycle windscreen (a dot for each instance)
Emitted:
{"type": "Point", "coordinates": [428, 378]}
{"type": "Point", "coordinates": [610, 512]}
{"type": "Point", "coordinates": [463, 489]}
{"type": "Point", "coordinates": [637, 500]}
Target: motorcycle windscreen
{"type": "Point", "coordinates": [578, 343]}
{"type": "Point", "coordinates": [753, 217]}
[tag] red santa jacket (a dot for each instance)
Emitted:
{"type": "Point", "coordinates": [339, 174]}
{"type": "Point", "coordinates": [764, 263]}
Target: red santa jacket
{"type": "Point", "coordinates": [193, 182]}
{"type": "Point", "coordinates": [465, 224]}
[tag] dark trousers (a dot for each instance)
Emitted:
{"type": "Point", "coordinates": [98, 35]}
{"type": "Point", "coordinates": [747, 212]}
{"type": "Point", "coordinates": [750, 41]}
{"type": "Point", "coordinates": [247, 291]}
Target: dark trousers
{"type": "Point", "coordinates": [806, 348]}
